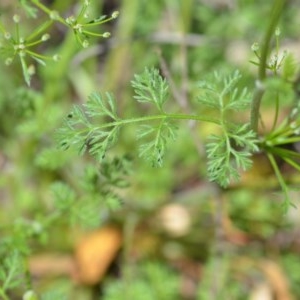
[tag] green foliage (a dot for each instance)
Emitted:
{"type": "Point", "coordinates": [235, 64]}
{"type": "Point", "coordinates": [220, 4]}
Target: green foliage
{"type": "Point", "coordinates": [80, 133]}
{"type": "Point", "coordinates": [99, 186]}
{"type": "Point", "coordinates": [226, 154]}
{"type": "Point", "coordinates": [151, 280]}
{"type": "Point", "coordinates": [226, 289]}
{"type": "Point", "coordinates": [18, 45]}
{"type": "Point", "coordinates": [290, 68]}
{"type": "Point", "coordinates": [154, 150]}
{"type": "Point", "coordinates": [221, 93]}
{"type": "Point", "coordinates": [230, 152]}
{"type": "Point", "coordinates": [11, 273]}
{"type": "Point", "coordinates": [46, 193]}
{"type": "Point", "coordinates": [224, 160]}
{"type": "Point", "coordinates": [290, 262]}
{"type": "Point", "coordinates": [151, 87]}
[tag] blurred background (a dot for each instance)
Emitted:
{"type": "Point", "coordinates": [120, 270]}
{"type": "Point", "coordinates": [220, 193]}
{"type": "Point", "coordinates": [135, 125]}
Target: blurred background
{"type": "Point", "coordinates": [143, 233]}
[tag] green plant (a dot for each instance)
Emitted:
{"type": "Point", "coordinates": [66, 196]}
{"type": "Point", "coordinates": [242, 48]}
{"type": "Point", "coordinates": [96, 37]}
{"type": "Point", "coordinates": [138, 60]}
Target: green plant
{"type": "Point", "coordinates": [18, 45]}
{"type": "Point", "coordinates": [85, 132]}
{"type": "Point", "coordinates": [228, 152]}
{"type": "Point", "coordinates": [152, 274]}
{"type": "Point", "coordinates": [53, 190]}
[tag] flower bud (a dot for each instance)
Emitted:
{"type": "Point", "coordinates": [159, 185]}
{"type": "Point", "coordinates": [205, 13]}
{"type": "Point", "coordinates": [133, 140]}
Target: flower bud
{"type": "Point", "coordinates": [54, 15]}
{"type": "Point", "coordinates": [30, 295]}
{"type": "Point", "coordinates": [56, 57]}
{"type": "Point", "coordinates": [115, 14]}
{"type": "Point", "coordinates": [31, 70]}
{"type": "Point", "coordinates": [106, 34]}
{"type": "Point", "coordinates": [45, 37]}
{"type": "Point", "coordinates": [16, 18]}
{"type": "Point", "coordinates": [85, 43]}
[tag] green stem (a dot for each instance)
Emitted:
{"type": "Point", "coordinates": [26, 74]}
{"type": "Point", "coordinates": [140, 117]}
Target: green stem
{"type": "Point", "coordinates": [92, 33]}
{"type": "Point", "coordinates": [47, 11]}
{"type": "Point", "coordinates": [159, 117]}
{"type": "Point", "coordinates": [281, 181]}
{"type": "Point", "coordinates": [39, 31]}
{"type": "Point", "coordinates": [98, 22]}
{"type": "Point", "coordinates": [276, 112]}
{"type": "Point", "coordinates": [259, 91]}
{"type": "Point", "coordinates": [285, 141]}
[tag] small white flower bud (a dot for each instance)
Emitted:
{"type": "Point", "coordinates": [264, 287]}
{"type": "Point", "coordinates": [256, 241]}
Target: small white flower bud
{"type": "Point", "coordinates": [56, 57]}
{"type": "Point", "coordinates": [16, 18]}
{"type": "Point", "coordinates": [106, 34]}
{"type": "Point", "coordinates": [22, 53]}
{"type": "Point", "coordinates": [70, 20]}
{"type": "Point", "coordinates": [31, 70]}
{"type": "Point", "coordinates": [115, 14]}
{"type": "Point", "coordinates": [78, 27]}
{"type": "Point", "coordinates": [85, 44]}
{"type": "Point", "coordinates": [273, 61]}
{"type": "Point", "coordinates": [277, 31]}
{"type": "Point", "coordinates": [30, 295]}
{"type": "Point", "coordinates": [54, 15]}
{"type": "Point", "coordinates": [45, 37]}
{"type": "Point", "coordinates": [293, 125]}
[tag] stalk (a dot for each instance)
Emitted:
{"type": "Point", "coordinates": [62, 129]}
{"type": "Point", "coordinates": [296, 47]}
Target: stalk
{"type": "Point", "coordinates": [259, 90]}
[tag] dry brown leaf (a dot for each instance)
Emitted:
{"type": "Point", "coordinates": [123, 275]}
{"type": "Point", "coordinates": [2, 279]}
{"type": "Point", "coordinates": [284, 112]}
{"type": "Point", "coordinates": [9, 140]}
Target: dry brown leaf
{"type": "Point", "coordinates": [277, 279]}
{"type": "Point", "coordinates": [95, 252]}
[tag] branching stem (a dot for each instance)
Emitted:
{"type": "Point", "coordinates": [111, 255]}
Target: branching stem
{"type": "Point", "coordinates": [259, 90]}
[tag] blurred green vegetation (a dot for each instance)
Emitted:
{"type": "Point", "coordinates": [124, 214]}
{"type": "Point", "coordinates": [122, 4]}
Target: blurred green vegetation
{"type": "Point", "coordinates": [230, 233]}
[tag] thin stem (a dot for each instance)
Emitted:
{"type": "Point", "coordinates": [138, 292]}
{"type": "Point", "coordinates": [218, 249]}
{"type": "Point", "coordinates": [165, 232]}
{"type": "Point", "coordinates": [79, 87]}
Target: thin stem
{"type": "Point", "coordinates": [39, 56]}
{"type": "Point", "coordinates": [82, 12]}
{"type": "Point", "coordinates": [292, 163]}
{"type": "Point", "coordinates": [159, 117]}
{"type": "Point", "coordinates": [98, 22]}
{"type": "Point", "coordinates": [259, 91]}
{"type": "Point", "coordinates": [92, 33]}
{"type": "Point", "coordinates": [47, 11]}
{"type": "Point", "coordinates": [285, 141]}
{"type": "Point", "coordinates": [120, 122]}
{"type": "Point", "coordinates": [39, 30]}
{"type": "Point", "coordinates": [281, 181]}
{"type": "Point", "coordinates": [276, 112]}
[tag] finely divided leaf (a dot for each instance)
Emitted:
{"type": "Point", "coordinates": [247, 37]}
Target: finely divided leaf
{"type": "Point", "coordinates": [222, 93]}
{"type": "Point", "coordinates": [96, 106]}
{"type": "Point", "coordinates": [151, 87]}
{"type": "Point", "coordinates": [159, 136]}
{"type": "Point", "coordinates": [229, 153]}
{"type": "Point", "coordinates": [80, 131]}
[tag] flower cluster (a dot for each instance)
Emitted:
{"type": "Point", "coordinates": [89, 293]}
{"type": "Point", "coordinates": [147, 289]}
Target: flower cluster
{"type": "Point", "coordinates": [15, 45]}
